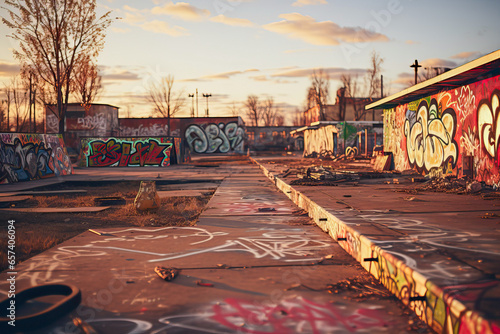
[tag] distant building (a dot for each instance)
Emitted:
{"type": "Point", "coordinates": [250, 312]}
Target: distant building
{"type": "Point", "coordinates": [448, 125]}
{"type": "Point", "coordinates": [273, 138]}
{"type": "Point", "coordinates": [334, 129]}
{"type": "Point", "coordinates": [344, 109]}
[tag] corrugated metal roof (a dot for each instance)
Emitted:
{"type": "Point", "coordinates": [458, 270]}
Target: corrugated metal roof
{"type": "Point", "coordinates": [482, 68]}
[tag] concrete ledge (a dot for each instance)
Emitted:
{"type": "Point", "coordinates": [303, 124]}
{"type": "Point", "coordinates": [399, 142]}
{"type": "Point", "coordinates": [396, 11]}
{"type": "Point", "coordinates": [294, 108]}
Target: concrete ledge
{"type": "Point", "coordinates": [431, 303]}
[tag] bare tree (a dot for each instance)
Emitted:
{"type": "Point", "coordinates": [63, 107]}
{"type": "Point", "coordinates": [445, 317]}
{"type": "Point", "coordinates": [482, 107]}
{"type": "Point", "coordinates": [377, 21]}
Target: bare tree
{"type": "Point", "coordinates": [319, 91]}
{"type": "Point", "coordinates": [269, 112]}
{"type": "Point", "coordinates": [3, 116]}
{"type": "Point", "coordinates": [280, 119]}
{"type": "Point", "coordinates": [298, 119]}
{"type": "Point", "coordinates": [87, 83]}
{"type": "Point", "coordinates": [372, 78]}
{"type": "Point", "coordinates": [16, 95]}
{"type": "Point", "coordinates": [351, 91]}
{"type": "Point", "coordinates": [254, 109]}
{"type": "Point", "coordinates": [371, 88]}
{"type": "Point", "coordinates": [166, 103]}
{"type": "Point", "coordinates": [54, 36]}
{"type": "Point", "coordinates": [8, 105]}
{"type": "Point", "coordinates": [233, 109]}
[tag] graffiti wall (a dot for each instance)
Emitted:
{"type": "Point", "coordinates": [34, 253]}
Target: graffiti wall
{"type": "Point", "coordinates": [321, 140]}
{"type": "Point", "coordinates": [212, 135]}
{"type": "Point", "coordinates": [149, 127]}
{"type": "Point", "coordinates": [200, 135]}
{"type": "Point", "coordinates": [129, 152]}
{"type": "Point", "coordinates": [343, 138]}
{"type": "Point", "coordinates": [26, 157]}
{"type": "Point", "coordinates": [454, 132]}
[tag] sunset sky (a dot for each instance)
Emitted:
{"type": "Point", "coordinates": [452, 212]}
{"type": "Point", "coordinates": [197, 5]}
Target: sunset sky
{"type": "Point", "coordinates": [232, 48]}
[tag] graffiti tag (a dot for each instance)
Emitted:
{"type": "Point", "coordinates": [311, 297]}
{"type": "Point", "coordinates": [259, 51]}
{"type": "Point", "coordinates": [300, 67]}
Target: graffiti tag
{"type": "Point", "coordinates": [430, 139]}
{"type": "Point", "coordinates": [116, 152]}
{"type": "Point", "coordinates": [215, 138]}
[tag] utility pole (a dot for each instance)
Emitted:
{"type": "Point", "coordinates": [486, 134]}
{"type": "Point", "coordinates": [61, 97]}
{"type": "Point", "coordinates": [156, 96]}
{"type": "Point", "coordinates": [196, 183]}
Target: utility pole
{"type": "Point", "coordinates": [196, 102]}
{"type": "Point", "coordinates": [416, 65]}
{"type": "Point", "coordinates": [207, 96]}
{"type": "Point", "coordinates": [192, 104]}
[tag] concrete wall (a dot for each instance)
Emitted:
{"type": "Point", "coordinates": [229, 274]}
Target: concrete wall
{"type": "Point", "coordinates": [264, 138]}
{"type": "Point", "coordinates": [26, 157]}
{"type": "Point", "coordinates": [129, 152]}
{"type": "Point", "coordinates": [204, 135]}
{"type": "Point", "coordinates": [455, 132]}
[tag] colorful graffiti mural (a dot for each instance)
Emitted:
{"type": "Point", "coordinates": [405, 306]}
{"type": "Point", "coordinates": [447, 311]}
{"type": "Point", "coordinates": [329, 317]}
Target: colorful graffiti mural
{"type": "Point", "coordinates": [128, 152]}
{"type": "Point", "coordinates": [200, 135]}
{"type": "Point", "coordinates": [25, 157]}
{"type": "Point", "coordinates": [441, 131]}
{"type": "Point", "coordinates": [215, 138]}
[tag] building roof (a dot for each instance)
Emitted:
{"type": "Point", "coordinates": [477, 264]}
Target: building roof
{"type": "Point", "coordinates": [482, 68]}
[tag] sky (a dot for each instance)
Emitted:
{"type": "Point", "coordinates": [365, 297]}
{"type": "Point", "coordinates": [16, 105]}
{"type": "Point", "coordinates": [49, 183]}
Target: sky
{"type": "Point", "coordinates": [235, 48]}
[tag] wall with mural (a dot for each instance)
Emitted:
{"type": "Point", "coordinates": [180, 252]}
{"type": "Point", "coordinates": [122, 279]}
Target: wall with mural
{"type": "Point", "coordinates": [454, 132]}
{"type": "Point", "coordinates": [101, 120]}
{"type": "Point", "coordinates": [200, 135]}
{"type": "Point", "coordinates": [129, 152]}
{"type": "Point", "coordinates": [342, 138]}
{"type": "Point", "coordinates": [26, 157]}
{"type": "Point", "coordinates": [149, 127]}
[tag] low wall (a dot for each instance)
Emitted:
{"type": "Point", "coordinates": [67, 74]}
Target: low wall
{"type": "Point", "coordinates": [26, 157]}
{"type": "Point", "coordinates": [130, 151]}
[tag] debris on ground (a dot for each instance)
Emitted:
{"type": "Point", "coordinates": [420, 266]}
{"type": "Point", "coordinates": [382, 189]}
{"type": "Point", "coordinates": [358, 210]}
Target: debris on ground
{"type": "Point", "coordinates": [464, 185]}
{"type": "Point", "coordinates": [266, 209]}
{"type": "Point", "coordinates": [200, 283]}
{"type": "Point", "coordinates": [364, 287]}
{"type": "Point", "coordinates": [167, 274]}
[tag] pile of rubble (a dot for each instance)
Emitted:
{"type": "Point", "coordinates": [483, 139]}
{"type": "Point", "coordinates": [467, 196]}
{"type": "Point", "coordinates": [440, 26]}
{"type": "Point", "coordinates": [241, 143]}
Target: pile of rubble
{"type": "Point", "coordinates": [462, 185]}
{"type": "Point", "coordinates": [324, 176]}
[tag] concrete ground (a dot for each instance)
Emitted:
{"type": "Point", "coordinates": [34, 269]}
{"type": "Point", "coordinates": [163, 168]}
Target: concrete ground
{"type": "Point", "coordinates": [438, 252]}
{"type": "Point", "coordinates": [254, 263]}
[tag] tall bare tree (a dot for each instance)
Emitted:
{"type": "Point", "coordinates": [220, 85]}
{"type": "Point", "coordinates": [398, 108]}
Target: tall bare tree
{"type": "Point", "coordinates": [18, 104]}
{"type": "Point", "coordinates": [319, 91]}
{"type": "Point", "coordinates": [253, 109]}
{"type": "Point", "coordinates": [372, 78]}
{"type": "Point", "coordinates": [298, 119]}
{"type": "Point", "coordinates": [3, 116]}
{"type": "Point", "coordinates": [166, 102]}
{"type": "Point", "coordinates": [269, 112]}
{"type": "Point", "coordinates": [8, 105]}
{"type": "Point", "coordinates": [87, 83]}
{"type": "Point", "coordinates": [353, 90]}
{"type": "Point", "coordinates": [54, 36]}
{"type": "Point", "coordinates": [350, 90]}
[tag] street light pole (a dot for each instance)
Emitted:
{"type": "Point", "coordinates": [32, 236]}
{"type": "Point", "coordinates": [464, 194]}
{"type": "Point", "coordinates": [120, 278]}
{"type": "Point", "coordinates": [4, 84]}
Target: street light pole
{"type": "Point", "coordinates": [192, 104]}
{"type": "Point", "coordinates": [207, 96]}
{"type": "Point", "coordinates": [196, 102]}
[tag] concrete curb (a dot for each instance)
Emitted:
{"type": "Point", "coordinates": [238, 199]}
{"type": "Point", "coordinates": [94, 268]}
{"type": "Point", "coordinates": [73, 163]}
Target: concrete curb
{"type": "Point", "coordinates": [431, 303]}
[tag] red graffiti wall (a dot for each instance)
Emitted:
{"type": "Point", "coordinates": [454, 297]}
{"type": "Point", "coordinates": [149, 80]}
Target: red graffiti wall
{"type": "Point", "coordinates": [455, 132]}
{"type": "Point", "coordinates": [129, 152]}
